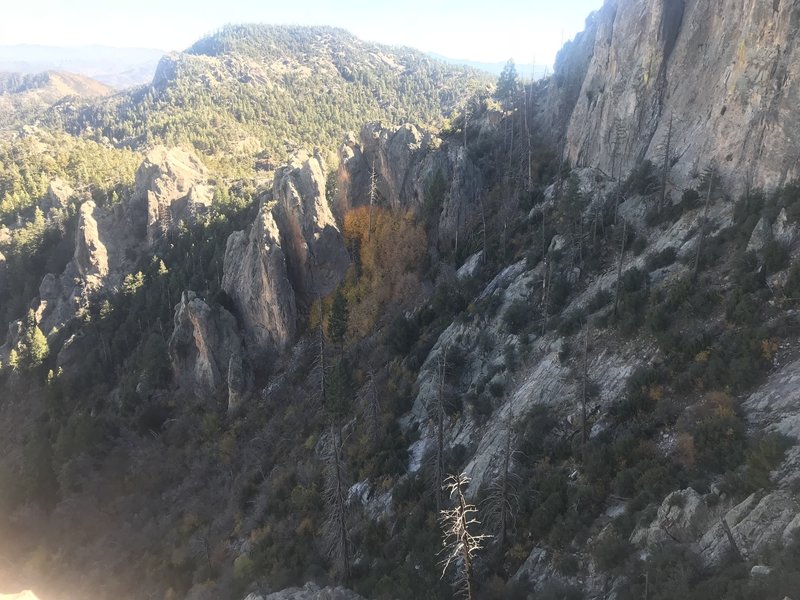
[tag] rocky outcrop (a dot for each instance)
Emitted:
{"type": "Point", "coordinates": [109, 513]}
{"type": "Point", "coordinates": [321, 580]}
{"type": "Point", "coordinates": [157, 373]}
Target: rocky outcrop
{"type": "Point", "coordinates": [309, 591]}
{"type": "Point", "coordinates": [257, 281]}
{"type": "Point", "coordinates": [412, 171]}
{"type": "Point", "coordinates": [756, 524]}
{"type": "Point", "coordinates": [315, 251]}
{"type": "Point", "coordinates": [761, 236]}
{"type": "Point", "coordinates": [683, 517]}
{"type": "Point", "coordinates": [91, 256]}
{"type": "Point", "coordinates": [59, 195]}
{"type": "Point", "coordinates": [170, 188]}
{"type": "Point", "coordinates": [784, 231]}
{"type": "Point", "coordinates": [728, 90]}
{"type": "Point", "coordinates": [206, 351]}
{"type": "Point", "coordinates": [61, 297]}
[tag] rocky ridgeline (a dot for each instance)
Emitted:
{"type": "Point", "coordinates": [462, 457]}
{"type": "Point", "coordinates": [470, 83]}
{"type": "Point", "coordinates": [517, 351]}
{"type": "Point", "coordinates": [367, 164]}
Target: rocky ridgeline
{"type": "Point", "coordinates": [170, 189]}
{"type": "Point", "coordinates": [293, 252]}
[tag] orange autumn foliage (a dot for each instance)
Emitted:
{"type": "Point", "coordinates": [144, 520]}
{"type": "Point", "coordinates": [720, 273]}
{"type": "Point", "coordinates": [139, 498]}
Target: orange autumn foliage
{"type": "Point", "coordinates": [387, 250]}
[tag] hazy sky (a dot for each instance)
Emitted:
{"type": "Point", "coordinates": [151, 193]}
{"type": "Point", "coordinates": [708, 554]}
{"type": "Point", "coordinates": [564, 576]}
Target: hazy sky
{"type": "Point", "coordinates": [468, 29]}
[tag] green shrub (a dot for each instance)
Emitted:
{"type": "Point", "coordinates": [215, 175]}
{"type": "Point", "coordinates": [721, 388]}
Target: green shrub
{"type": "Point", "coordinates": [601, 299]}
{"type": "Point", "coordinates": [642, 179]}
{"type": "Point", "coordinates": [661, 259]}
{"type": "Point", "coordinates": [764, 453]}
{"type": "Point", "coordinates": [776, 256]}
{"type": "Point", "coordinates": [517, 316]}
{"type": "Point", "coordinates": [611, 551]}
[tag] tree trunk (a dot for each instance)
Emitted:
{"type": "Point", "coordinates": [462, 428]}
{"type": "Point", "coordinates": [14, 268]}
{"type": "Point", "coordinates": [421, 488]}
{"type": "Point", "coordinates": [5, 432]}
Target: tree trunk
{"type": "Point", "coordinates": [619, 265]}
{"type": "Point", "coordinates": [696, 269]}
{"type": "Point", "coordinates": [665, 169]}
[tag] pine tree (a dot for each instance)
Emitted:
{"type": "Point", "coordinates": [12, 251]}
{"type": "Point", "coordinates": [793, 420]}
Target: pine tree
{"type": "Point", "coordinates": [507, 82]}
{"type": "Point", "coordinates": [32, 345]}
{"type": "Point", "coordinates": [337, 321]}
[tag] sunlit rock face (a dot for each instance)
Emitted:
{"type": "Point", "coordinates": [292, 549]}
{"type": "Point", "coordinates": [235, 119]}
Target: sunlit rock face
{"type": "Point", "coordinates": [728, 92]}
{"type": "Point", "coordinates": [26, 595]}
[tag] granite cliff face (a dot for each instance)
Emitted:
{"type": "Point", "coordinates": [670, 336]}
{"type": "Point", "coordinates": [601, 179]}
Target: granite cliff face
{"type": "Point", "coordinates": [724, 73]}
{"type": "Point", "coordinates": [170, 189]}
{"type": "Point", "coordinates": [317, 258]}
{"type": "Point", "coordinates": [292, 253]}
{"type": "Point", "coordinates": [206, 351]}
{"type": "Point", "coordinates": [256, 278]}
{"type": "Point", "coordinates": [408, 166]}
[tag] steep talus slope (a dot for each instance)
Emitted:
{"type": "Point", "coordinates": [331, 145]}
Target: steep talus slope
{"type": "Point", "coordinates": [724, 73]}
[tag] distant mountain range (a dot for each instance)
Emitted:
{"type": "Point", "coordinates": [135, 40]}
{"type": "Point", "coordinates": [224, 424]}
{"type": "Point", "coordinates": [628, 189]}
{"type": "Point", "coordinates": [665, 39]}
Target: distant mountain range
{"type": "Point", "coordinates": [495, 68]}
{"type": "Point", "coordinates": [115, 67]}
{"type": "Point", "coordinates": [127, 67]}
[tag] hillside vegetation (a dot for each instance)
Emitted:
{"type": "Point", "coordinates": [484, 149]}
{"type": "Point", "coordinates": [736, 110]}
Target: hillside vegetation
{"type": "Point", "coordinates": [248, 96]}
{"type": "Point", "coordinates": [442, 362]}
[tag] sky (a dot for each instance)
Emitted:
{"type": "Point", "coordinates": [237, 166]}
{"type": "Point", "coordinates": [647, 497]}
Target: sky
{"type": "Point", "coordinates": [479, 30]}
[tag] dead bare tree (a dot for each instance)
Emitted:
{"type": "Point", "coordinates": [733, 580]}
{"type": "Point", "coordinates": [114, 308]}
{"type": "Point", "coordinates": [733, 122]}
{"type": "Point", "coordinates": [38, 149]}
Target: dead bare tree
{"type": "Point", "coordinates": [546, 290]}
{"type": "Point", "coordinates": [439, 409]}
{"type": "Point", "coordinates": [370, 400]}
{"type": "Point", "coordinates": [709, 177]}
{"type": "Point", "coordinates": [319, 366]}
{"type": "Point", "coordinates": [619, 265]}
{"type": "Point", "coordinates": [617, 142]}
{"type": "Point", "coordinates": [502, 503]}
{"type": "Point", "coordinates": [585, 390]}
{"type": "Point", "coordinates": [373, 192]}
{"type": "Point", "coordinates": [335, 534]}
{"type": "Point", "coordinates": [460, 544]}
{"type": "Point", "coordinates": [665, 167]}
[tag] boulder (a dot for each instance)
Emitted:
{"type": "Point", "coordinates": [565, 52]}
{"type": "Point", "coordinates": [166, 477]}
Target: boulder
{"type": "Point", "coordinates": [59, 194]}
{"type": "Point", "coordinates": [682, 517]}
{"type": "Point", "coordinates": [204, 345]}
{"type": "Point", "coordinates": [783, 231]}
{"type": "Point", "coordinates": [762, 234]}
{"type": "Point", "coordinates": [255, 276]}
